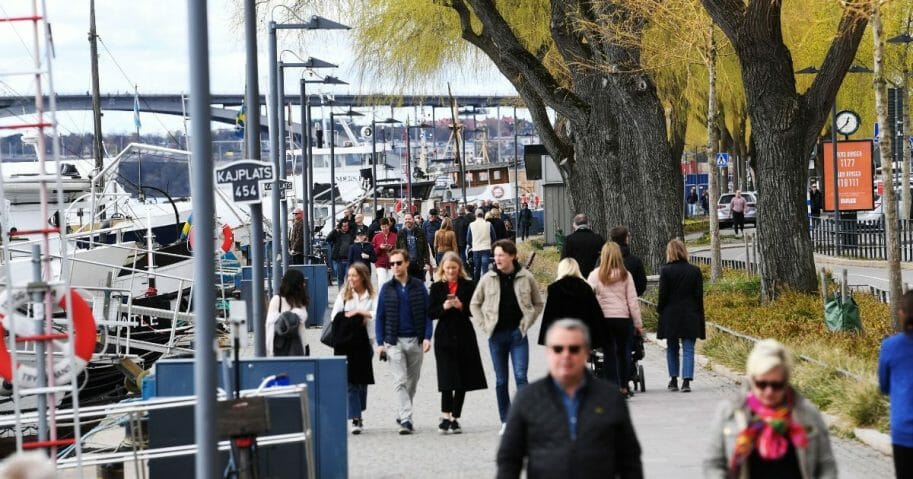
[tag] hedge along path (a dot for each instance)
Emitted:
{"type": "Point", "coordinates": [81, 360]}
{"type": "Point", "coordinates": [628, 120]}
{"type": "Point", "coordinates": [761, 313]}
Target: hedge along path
{"type": "Point", "coordinates": [754, 339]}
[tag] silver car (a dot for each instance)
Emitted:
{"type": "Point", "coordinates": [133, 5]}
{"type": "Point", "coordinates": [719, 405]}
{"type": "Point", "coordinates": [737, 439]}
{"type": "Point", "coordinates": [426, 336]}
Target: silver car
{"type": "Point", "coordinates": [724, 214]}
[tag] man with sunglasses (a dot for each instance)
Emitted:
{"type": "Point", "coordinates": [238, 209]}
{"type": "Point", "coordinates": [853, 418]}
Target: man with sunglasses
{"type": "Point", "coordinates": [570, 423]}
{"type": "Point", "coordinates": [403, 330]}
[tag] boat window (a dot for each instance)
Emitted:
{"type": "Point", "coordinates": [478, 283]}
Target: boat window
{"type": "Point", "coordinates": [496, 174]}
{"type": "Point", "coordinates": [321, 161]}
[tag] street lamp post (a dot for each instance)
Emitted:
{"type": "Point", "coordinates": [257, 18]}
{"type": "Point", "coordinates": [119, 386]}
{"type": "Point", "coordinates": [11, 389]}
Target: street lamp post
{"type": "Point", "coordinates": [409, 129]}
{"type": "Point", "coordinates": [350, 113]}
{"type": "Point", "coordinates": [835, 183]}
{"type": "Point", "coordinates": [905, 39]}
{"type": "Point", "coordinates": [275, 83]}
{"type": "Point", "coordinates": [374, 123]}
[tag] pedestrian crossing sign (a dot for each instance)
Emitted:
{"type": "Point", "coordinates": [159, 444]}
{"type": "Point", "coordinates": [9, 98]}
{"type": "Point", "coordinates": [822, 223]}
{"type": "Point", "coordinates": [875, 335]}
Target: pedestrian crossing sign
{"type": "Point", "coordinates": [722, 160]}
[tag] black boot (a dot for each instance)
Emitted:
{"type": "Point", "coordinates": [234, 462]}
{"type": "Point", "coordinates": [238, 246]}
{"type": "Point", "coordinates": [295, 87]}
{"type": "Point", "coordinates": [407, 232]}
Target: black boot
{"type": "Point", "coordinates": [673, 384]}
{"type": "Point", "coordinates": [686, 385]}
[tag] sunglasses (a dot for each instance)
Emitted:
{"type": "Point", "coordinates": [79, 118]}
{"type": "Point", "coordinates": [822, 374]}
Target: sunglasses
{"type": "Point", "coordinates": [571, 348]}
{"type": "Point", "coordinates": [775, 385]}
{"type": "Point", "coordinates": [396, 263]}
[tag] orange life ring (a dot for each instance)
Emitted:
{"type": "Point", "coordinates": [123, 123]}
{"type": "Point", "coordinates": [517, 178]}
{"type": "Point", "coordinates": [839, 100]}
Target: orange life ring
{"type": "Point", "coordinates": [226, 235]}
{"type": "Point", "coordinates": [26, 375]}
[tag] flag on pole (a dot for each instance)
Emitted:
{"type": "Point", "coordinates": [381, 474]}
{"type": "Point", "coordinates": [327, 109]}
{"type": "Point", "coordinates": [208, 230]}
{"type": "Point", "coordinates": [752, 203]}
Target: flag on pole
{"type": "Point", "coordinates": [240, 118]}
{"type": "Point", "coordinates": [136, 121]}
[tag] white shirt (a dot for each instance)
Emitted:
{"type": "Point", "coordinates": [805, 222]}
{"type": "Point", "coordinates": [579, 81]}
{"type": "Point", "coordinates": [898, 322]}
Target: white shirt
{"type": "Point", "coordinates": [362, 301]}
{"type": "Point", "coordinates": [279, 305]}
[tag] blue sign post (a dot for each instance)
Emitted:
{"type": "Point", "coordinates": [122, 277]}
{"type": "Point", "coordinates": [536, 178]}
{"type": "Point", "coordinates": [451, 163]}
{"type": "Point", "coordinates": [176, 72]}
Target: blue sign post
{"type": "Point", "coordinates": [722, 160]}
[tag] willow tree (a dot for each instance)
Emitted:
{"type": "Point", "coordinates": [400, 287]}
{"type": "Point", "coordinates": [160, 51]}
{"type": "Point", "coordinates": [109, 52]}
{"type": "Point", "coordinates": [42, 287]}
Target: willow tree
{"type": "Point", "coordinates": [785, 125]}
{"type": "Point", "coordinates": [610, 141]}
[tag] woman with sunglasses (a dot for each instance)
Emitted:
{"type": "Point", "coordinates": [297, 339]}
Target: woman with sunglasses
{"type": "Point", "coordinates": [456, 351]}
{"type": "Point", "coordinates": [770, 430]}
{"type": "Point", "coordinates": [895, 379]}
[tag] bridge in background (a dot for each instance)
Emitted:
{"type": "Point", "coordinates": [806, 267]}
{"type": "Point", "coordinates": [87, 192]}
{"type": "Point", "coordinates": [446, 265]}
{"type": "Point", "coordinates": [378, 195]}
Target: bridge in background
{"type": "Point", "coordinates": [225, 108]}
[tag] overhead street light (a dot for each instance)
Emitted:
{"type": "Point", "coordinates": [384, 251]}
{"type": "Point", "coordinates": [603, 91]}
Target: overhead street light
{"type": "Point", "coordinates": [350, 113]}
{"type": "Point", "coordinates": [307, 157]}
{"type": "Point", "coordinates": [374, 123]}
{"type": "Point", "coordinates": [310, 63]}
{"type": "Point", "coordinates": [276, 84]}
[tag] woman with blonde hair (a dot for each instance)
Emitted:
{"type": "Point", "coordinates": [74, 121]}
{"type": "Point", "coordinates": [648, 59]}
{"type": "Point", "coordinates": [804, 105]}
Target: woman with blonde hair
{"type": "Point", "coordinates": [681, 312]}
{"type": "Point", "coordinates": [570, 296]}
{"type": "Point", "coordinates": [769, 430]}
{"type": "Point", "coordinates": [456, 351]}
{"type": "Point", "coordinates": [444, 240]}
{"type": "Point", "coordinates": [353, 330]}
{"type": "Point", "coordinates": [617, 296]}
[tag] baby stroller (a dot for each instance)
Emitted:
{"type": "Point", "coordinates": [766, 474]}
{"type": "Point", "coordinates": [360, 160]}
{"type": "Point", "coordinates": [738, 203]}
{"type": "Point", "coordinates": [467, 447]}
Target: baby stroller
{"type": "Point", "coordinates": [598, 366]}
{"type": "Point", "coordinates": [637, 370]}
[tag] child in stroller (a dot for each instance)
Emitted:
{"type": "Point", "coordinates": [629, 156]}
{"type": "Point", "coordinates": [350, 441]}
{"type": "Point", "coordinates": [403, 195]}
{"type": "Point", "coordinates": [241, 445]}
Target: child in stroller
{"type": "Point", "coordinates": [597, 364]}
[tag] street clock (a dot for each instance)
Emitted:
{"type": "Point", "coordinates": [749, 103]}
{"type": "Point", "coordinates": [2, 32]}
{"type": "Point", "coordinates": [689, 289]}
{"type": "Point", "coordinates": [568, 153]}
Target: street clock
{"type": "Point", "coordinates": [847, 122]}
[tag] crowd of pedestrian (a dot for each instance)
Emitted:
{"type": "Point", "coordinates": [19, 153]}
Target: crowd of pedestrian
{"type": "Point", "coordinates": [575, 422]}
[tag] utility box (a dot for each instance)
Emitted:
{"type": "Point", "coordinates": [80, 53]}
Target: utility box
{"type": "Point", "coordinates": [326, 393]}
{"type": "Point", "coordinates": [318, 292]}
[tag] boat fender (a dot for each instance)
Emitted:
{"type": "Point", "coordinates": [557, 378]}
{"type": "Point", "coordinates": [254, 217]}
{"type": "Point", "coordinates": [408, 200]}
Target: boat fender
{"type": "Point", "coordinates": [26, 375]}
{"type": "Point", "coordinates": [225, 241]}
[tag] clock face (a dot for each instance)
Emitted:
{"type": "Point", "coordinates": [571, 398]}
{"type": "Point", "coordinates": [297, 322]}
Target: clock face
{"type": "Point", "coordinates": [847, 122]}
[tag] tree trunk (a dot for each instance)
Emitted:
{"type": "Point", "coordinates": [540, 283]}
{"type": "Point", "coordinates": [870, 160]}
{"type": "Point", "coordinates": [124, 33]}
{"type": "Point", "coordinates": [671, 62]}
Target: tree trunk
{"type": "Point", "coordinates": [784, 128]}
{"type": "Point", "coordinates": [889, 200]}
{"type": "Point", "coordinates": [623, 141]}
{"type": "Point", "coordinates": [716, 263]}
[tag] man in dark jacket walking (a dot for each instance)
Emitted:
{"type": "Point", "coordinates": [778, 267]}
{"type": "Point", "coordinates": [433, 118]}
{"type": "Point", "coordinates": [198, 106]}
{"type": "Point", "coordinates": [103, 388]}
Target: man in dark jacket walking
{"type": "Point", "coordinates": [462, 227]}
{"type": "Point", "coordinates": [633, 264]}
{"type": "Point", "coordinates": [412, 239]}
{"type": "Point", "coordinates": [526, 221]}
{"type": "Point", "coordinates": [569, 424]}
{"type": "Point", "coordinates": [583, 245]}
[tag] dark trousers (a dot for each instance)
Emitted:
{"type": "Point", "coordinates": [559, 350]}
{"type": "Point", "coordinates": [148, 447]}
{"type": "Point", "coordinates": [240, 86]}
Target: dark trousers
{"type": "Point", "coordinates": [452, 402]}
{"type": "Point", "coordinates": [738, 221]}
{"type": "Point", "coordinates": [903, 461]}
{"type": "Point", "coordinates": [524, 231]}
{"type": "Point", "coordinates": [617, 350]}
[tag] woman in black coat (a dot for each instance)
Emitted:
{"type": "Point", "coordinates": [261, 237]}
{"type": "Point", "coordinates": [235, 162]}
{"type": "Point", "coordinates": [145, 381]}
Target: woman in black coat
{"type": "Point", "coordinates": [681, 312]}
{"type": "Point", "coordinates": [570, 296]}
{"type": "Point", "coordinates": [456, 350]}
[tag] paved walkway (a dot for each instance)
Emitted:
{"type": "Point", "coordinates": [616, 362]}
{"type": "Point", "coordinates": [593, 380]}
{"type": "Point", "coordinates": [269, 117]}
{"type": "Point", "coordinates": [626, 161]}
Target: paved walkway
{"type": "Point", "coordinates": [671, 427]}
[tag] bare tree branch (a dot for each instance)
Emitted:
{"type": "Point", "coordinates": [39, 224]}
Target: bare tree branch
{"type": "Point", "coordinates": [509, 51]}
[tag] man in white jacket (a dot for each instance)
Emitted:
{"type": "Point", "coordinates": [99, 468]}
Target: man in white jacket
{"type": "Point", "coordinates": [479, 237]}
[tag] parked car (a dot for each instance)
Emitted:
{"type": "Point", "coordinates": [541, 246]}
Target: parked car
{"type": "Point", "coordinates": [724, 214]}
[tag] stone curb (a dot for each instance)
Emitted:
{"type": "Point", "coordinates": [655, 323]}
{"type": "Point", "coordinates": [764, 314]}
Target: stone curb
{"type": "Point", "coordinates": [876, 440]}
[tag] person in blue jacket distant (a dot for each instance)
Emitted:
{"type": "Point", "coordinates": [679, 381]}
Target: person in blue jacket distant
{"type": "Point", "coordinates": [895, 378]}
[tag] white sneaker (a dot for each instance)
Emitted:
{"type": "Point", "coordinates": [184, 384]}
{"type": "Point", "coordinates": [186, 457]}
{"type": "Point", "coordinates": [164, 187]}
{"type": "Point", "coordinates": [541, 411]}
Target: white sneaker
{"type": "Point", "coordinates": [356, 426]}
{"type": "Point", "coordinates": [503, 427]}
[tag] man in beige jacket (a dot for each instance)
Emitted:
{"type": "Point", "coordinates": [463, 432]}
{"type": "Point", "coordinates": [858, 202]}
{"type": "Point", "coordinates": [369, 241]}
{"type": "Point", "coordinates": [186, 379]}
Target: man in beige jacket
{"type": "Point", "coordinates": [506, 304]}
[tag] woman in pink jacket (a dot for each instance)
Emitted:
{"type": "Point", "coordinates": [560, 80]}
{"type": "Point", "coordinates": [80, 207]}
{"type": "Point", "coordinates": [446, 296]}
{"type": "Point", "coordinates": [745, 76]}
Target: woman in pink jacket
{"type": "Point", "coordinates": [614, 288]}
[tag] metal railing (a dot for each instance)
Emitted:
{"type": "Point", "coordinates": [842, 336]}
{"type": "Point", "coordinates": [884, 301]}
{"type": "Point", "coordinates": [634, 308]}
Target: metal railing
{"type": "Point", "coordinates": [859, 238]}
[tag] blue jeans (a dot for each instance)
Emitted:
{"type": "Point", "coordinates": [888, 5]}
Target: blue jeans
{"type": "Point", "coordinates": [358, 399]}
{"type": "Point", "coordinates": [687, 357]}
{"type": "Point", "coordinates": [342, 269]}
{"type": "Point", "coordinates": [480, 261]}
{"type": "Point", "coordinates": [503, 345]}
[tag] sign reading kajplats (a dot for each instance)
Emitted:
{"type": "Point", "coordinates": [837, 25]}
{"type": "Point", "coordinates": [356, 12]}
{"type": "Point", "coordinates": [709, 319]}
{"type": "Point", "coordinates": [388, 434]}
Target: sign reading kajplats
{"type": "Point", "coordinates": [246, 178]}
{"type": "Point", "coordinates": [855, 175]}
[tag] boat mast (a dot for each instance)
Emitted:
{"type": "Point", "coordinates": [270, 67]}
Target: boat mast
{"type": "Point", "coordinates": [96, 93]}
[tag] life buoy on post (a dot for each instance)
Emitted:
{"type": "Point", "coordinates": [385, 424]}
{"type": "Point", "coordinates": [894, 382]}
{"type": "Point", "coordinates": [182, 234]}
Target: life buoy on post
{"type": "Point", "coordinates": [224, 242]}
{"type": "Point", "coordinates": [26, 375]}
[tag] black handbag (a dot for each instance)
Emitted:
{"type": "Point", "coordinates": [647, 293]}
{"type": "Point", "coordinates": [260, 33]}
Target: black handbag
{"type": "Point", "coordinates": [328, 334]}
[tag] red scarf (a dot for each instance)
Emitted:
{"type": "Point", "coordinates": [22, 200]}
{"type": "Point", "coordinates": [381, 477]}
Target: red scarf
{"type": "Point", "coordinates": [770, 430]}
{"type": "Point", "coordinates": [452, 287]}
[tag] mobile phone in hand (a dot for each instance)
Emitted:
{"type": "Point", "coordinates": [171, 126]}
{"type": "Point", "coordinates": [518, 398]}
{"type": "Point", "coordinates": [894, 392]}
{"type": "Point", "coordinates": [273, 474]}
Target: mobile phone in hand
{"type": "Point", "coordinates": [383, 356]}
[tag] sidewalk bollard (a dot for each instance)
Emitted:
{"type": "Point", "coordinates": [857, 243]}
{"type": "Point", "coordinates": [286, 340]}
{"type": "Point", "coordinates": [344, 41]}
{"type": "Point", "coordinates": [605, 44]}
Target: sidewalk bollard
{"type": "Point", "coordinates": [843, 287]}
{"type": "Point", "coordinates": [747, 256]}
{"type": "Point", "coordinates": [823, 285]}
